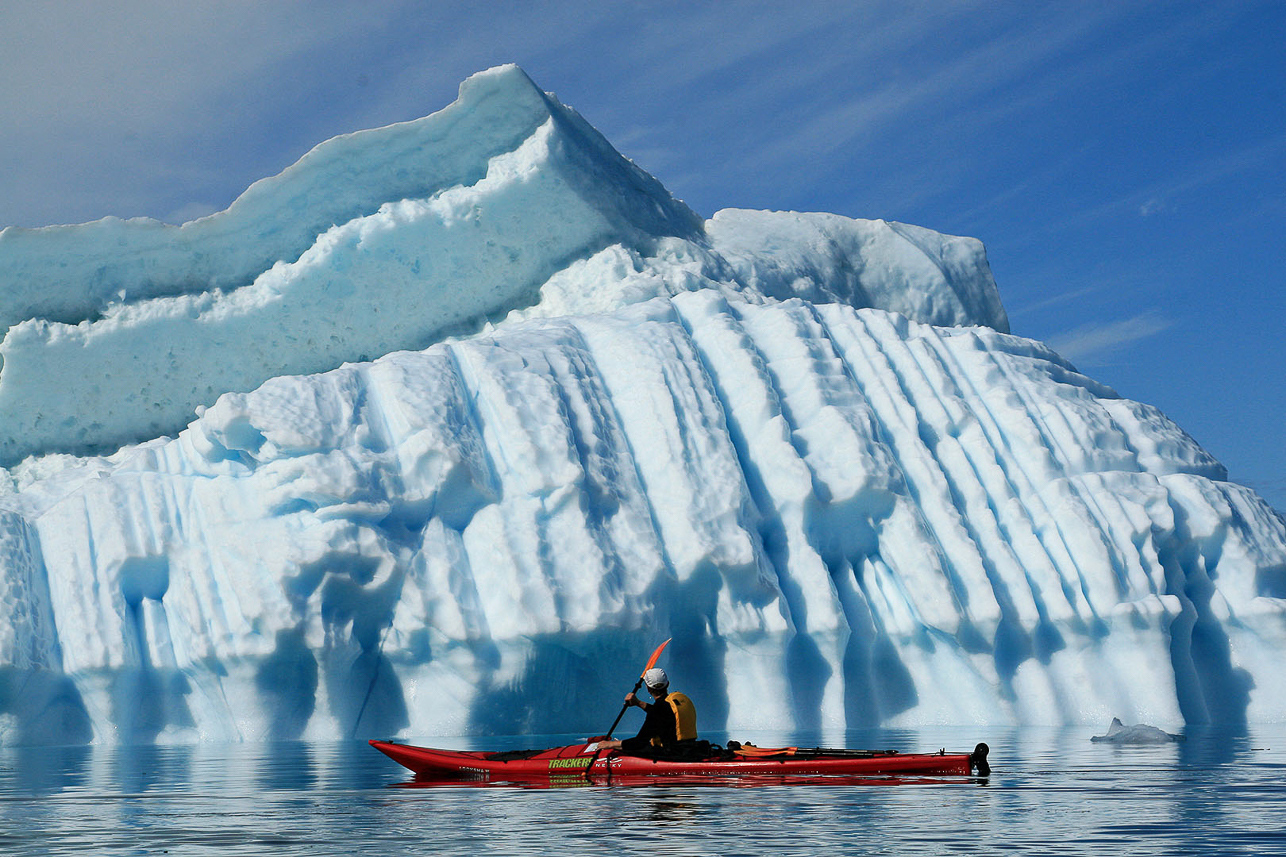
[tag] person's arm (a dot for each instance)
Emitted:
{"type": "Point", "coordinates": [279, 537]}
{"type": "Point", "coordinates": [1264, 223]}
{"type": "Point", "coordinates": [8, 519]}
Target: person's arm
{"type": "Point", "coordinates": [614, 743]}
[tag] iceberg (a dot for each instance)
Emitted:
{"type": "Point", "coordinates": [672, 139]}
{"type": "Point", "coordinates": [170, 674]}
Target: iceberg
{"type": "Point", "coordinates": [461, 416]}
{"type": "Point", "coordinates": [1135, 734]}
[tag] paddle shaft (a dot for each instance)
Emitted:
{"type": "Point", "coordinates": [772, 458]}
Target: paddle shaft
{"type": "Point", "coordinates": [637, 685]}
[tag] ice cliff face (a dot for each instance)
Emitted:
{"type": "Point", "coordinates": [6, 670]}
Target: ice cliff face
{"type": "Point", "coordinates": [802, 445]}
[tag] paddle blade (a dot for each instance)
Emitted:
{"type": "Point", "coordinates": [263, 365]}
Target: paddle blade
{"type": "Point", "coordinates": [651, 662]}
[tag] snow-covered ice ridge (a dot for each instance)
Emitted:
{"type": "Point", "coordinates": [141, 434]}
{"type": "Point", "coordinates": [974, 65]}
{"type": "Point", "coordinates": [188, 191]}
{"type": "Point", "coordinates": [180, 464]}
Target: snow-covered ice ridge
{"type": "Point", "coordinates": [801, 445]}
{"type": "Point", "coordinates": [505, 199]}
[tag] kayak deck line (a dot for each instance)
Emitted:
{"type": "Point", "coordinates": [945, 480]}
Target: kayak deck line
{"type": "Point", "coordinates": [586, 760]}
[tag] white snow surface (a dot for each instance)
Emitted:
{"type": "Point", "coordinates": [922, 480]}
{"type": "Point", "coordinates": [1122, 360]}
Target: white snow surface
{"type": "Point", "coordinates": [801, 445]}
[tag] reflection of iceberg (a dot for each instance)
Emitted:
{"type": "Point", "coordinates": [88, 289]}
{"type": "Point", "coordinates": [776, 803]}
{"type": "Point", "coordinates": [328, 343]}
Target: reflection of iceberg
{"type": "Point", "coordinates": [1138, 733]}
{"type": "Point", "coordinates": [774, 437]}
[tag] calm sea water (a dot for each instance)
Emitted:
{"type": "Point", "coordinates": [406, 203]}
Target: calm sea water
{"type": "Point", "coordinates": [1050, 792]}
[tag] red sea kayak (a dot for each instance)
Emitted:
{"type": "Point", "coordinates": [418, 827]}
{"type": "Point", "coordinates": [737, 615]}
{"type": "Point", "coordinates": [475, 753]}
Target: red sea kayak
{"type": "Point", "coordinates": [586, 762]}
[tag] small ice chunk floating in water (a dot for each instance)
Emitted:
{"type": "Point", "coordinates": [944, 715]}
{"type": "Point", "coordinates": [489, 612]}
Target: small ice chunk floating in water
{"type": "Point", "coordinates": [1139, 733]}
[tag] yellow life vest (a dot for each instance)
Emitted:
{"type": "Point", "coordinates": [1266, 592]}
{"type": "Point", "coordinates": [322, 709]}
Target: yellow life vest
{"type": "Point", "coordinates": [685, 718]}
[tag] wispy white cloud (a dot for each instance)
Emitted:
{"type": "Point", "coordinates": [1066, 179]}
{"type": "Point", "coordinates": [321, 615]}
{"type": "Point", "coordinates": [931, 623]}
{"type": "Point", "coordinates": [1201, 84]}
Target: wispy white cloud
{"type": "Point", "coordinates": [1098, 343]}
{"type": "Point", "coordinates": [118, 108]}
{"type": "Point", "coordinates": [1059, 299]}
{"type": "Point", "coordinates": [1158, 197]}
{"type": "Point", "coordinates": [948, 81]}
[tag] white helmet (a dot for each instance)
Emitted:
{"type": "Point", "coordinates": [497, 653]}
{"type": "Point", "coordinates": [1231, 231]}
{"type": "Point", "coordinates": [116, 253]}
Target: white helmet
{"type": "Point", "coordinates": [656, 679]}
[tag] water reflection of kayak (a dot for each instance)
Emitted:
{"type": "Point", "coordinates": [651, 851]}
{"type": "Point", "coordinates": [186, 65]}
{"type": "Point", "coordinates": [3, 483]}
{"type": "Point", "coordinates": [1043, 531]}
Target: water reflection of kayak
{"type": "Point", "coordinates": [587, 762]}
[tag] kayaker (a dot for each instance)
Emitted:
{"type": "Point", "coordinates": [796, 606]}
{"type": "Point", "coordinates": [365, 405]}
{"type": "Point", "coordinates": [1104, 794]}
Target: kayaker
{"type": "Point", "coordinates": [670, 722]}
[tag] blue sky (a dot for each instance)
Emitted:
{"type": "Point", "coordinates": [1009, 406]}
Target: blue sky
{"type": "Point", "coordinates": [1122, 161]}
